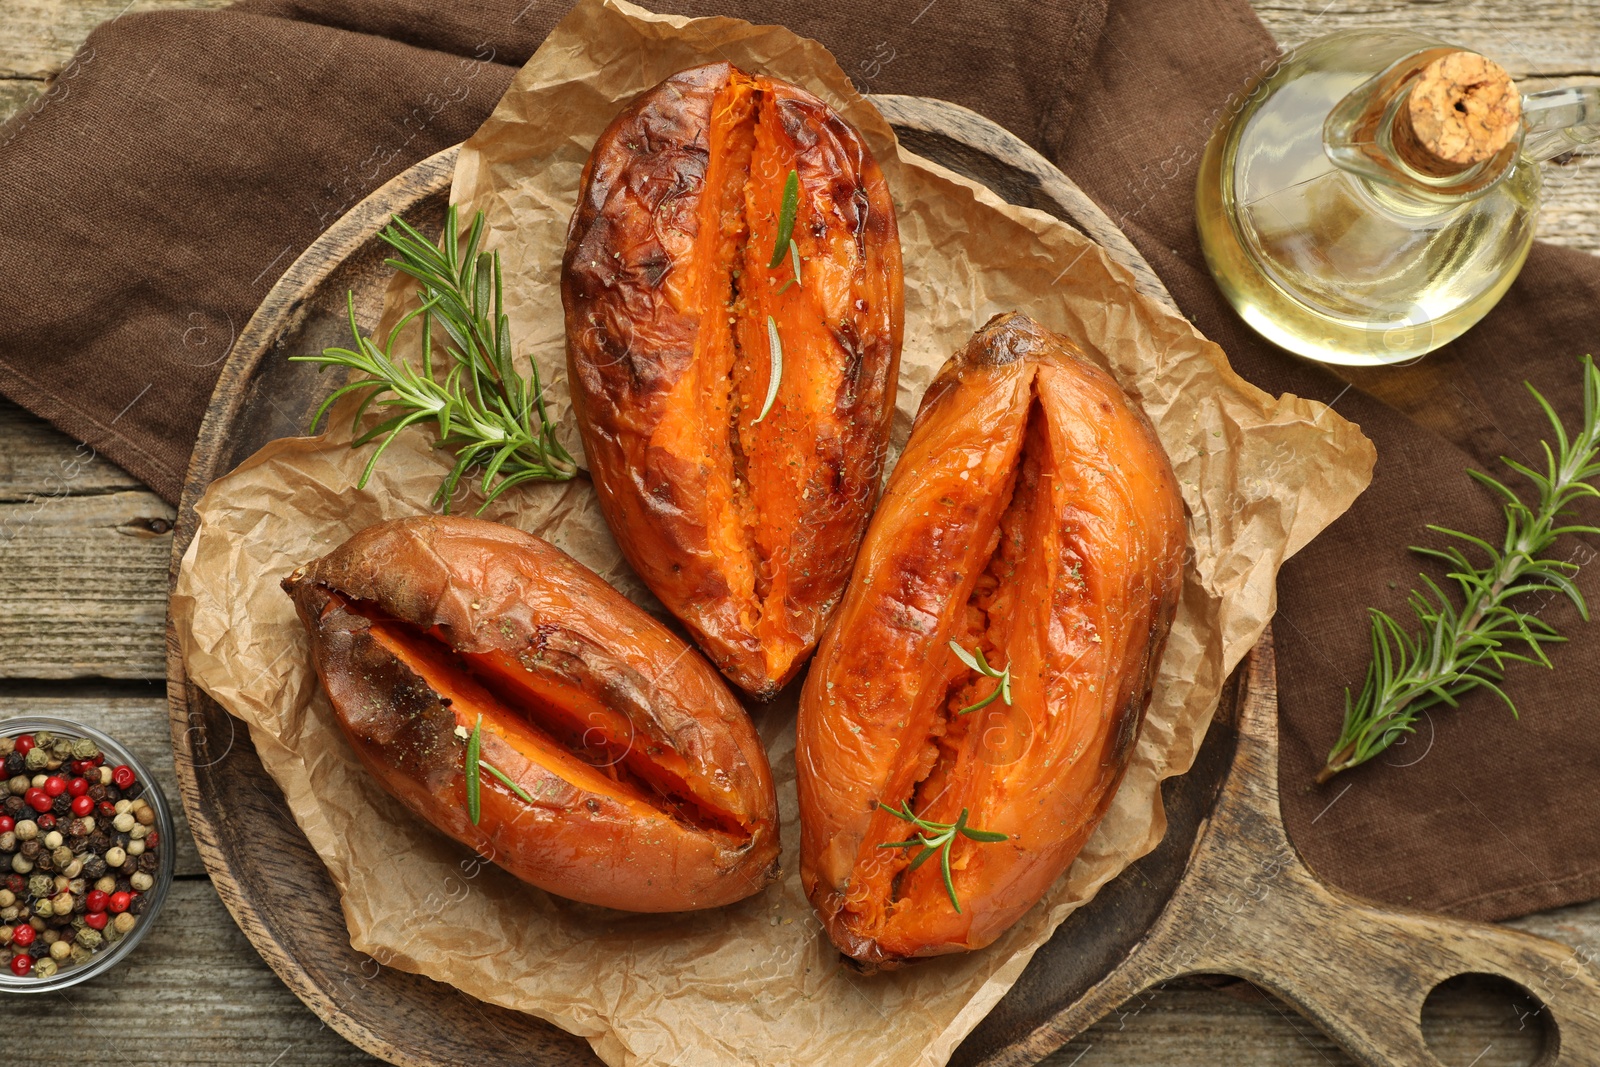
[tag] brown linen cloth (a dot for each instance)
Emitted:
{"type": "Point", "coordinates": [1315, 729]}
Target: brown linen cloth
{"type": "Point", "coordinates": [185, 158]}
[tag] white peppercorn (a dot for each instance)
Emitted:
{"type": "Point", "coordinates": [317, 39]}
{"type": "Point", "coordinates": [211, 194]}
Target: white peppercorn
{"type": "Point", "coordinates": [123, 807]}
{"type": "Point", "coordinates": [21, 864]}
{"type": "Point", "coordinates": [7, 898]}
{"type": "Point", "coordinates": [105, 775]}
{"type": "Point", "coordinates": [26, 830]}
{"type": "Point", "coordinates": [107, 884]}
{"type": "Point", "coordinates": [124, 820]}
{"type": "Point", "coordinates": [61, 857]}
{"type": "Point", "coordinates": [8, 841]}
{"type": "Point", "coordinates": [138, 831]}
{"type": "Point", "coordinates": [60, 949]}
{"type": "Point", "coordinates": [53, 839]}
{"type": "Point", "coordinates": [135, 848]}
{"type": "Point", "coordinates": [124, 923]}
{"type": "Point", "coordinates": [141, 881]}
{"type": "Point", "coordinates": [115, 857]}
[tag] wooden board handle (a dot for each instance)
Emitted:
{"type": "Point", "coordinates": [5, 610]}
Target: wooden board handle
{"type": "Point", "coordinates": [1248, 906]}
{"type": "Point", "coordinates": [1360, 970]}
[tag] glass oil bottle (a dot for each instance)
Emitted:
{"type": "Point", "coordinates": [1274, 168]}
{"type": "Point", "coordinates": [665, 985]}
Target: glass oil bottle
{"type": "Point", "coordinates": [1373, 194]}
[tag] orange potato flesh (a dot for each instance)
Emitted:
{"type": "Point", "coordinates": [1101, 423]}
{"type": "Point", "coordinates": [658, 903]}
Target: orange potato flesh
{"type": "Point", "coordinates": [1033, 515]}
{"type": "Point", "coordinates": [648, 789]}
{"type": "Point", "coordinates": [744, 526]}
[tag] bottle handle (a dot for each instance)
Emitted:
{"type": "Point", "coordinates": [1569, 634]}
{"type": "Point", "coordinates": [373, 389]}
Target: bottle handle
{"type": "Point", "coordinates": [1558, 120]}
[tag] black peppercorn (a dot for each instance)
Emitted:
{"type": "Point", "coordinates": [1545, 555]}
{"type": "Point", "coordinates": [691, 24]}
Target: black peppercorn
{"type": "Point", "coordinates": [45, 862]}
{"type": "Point", "coordinates": [15, 807]}
{"type": "Point", "coordinates": [16, 763]}
{"type": "Point", "coordinates": [124, 885]}
{"type": "Point", "coordinates": [134, 791]}
{"type": "Point", "coordinates": [99, 842]}
{"type": "Point", "coordinates": [137, 904]}
{"type": "Point", "coordinates": [148, 862]}
{"type": "Point", "coordinates": [30, 849]}
{"type": "Point", "coordinates": [94, 868]}
{"type": "Point", "coordinates": [97, 792]}
{"type": "Point", "coordinates": [113, 794]}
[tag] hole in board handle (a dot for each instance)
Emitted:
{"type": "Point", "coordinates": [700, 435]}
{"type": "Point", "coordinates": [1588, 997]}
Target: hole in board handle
{"type": "Point", "coordinates": [1487, 1019]}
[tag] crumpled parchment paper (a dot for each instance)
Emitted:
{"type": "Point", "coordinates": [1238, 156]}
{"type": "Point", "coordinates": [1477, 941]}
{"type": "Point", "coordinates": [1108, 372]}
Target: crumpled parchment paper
{"type": "Point", "coordinates": [756, 982]}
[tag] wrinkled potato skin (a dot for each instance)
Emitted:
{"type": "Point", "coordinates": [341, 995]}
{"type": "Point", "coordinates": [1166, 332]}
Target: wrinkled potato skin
{"type": "Point", "coordinates": [483, 589]}
{"type": "Point", "coordinates": [744, 530]}
{"type": "Point", "coordinates": [1092, 578]}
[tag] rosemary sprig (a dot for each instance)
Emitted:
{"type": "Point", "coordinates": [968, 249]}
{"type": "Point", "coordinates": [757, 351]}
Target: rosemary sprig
{"type": "Point", "coordinates": [1460, 649]}
{"type": "Point", "coordinates": [943, 836]}
{"type": "Point", "coordinates": [493, 420]}
{"type": "Point", "coordinates": [775, 348]}
{"type": "Point", "coordinates": [786, 214]}
{"type": "Point", "coordinates": [975, 661]}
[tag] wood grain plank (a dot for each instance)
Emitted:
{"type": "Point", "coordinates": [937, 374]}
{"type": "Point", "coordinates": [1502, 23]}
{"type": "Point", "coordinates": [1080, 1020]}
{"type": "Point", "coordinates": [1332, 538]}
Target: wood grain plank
{"type": "Point", "coordinates": [140, 723]}
{"type": "Point", "coordinates": [37, 459]}
{"type": "Point", "coordinates": [83, 585]}
{"type": "Point", "coordinates": [39, 37]}
{"type": "Point", "coordinates": [16, 94]}
{"type": "Point", "coordinates": [194, 992]}
{"type": "Point", "coordinates": [1529, 37]}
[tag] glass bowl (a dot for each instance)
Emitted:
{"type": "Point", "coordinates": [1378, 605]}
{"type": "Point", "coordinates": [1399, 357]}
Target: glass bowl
{"type": "Point", "coordinates": [155, 896]}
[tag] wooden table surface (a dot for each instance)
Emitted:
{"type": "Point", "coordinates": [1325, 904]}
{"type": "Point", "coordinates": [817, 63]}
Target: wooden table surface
{"type": "Point", "coordinates": [83, 566]}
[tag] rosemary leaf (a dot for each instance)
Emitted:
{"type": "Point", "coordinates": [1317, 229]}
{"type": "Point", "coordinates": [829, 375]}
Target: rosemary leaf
{"type": "Point", "coordinates": [1459, 649]}
{"type": "Point", "coordinates": [521, 793]}
{"type": "Point", "coordinates": [775, 345]}
{"type": "Point", "coordinates": [786, 213]}
{"type": "Point", "coordinates": [496, 423]}
{"type": "Point", "coordinates": [474, 747]}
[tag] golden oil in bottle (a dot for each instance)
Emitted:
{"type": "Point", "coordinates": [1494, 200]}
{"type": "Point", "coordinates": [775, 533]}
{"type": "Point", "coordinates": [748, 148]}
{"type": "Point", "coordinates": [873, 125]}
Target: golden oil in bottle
{"type": "Point", "coordinates": [1344, 223]}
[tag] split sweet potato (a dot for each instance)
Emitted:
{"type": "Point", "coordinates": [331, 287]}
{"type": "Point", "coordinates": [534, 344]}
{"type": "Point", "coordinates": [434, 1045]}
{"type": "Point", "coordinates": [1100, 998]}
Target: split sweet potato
{"type": "Point", "coordinates": [737, 488]}
{"type": "Point", "coordinates": [632, 776]}
{"type": "Point", "coordinates": [1034, 523]}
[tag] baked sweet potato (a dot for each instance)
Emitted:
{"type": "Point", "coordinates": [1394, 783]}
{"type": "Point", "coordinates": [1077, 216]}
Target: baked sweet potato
{"type": "Point", "coordinates": [1034, 523]}
{"type": "Point", "coordinates": [739, 500]}
{"type": "Point", "coordinates": [633, 778]}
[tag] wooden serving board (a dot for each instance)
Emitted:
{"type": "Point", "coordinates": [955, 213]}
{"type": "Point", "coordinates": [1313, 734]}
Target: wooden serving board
{"type": "Point", "coordinates": [1225, 891]}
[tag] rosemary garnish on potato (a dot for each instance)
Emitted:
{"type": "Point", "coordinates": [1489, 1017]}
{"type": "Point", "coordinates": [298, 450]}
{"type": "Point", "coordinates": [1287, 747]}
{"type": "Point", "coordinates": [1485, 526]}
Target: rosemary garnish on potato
{"type": "Point", "coordinates": [493, 420]}
{"type": "Point", "coordinates": [475, 764]}
{"type": "Point", "coordinates": [786, 214]}
{"type": "Point", "coordinates": [975, 661]}
{"type": "Point", "coordinates": [1463, 648]}
{"type": "Point", "coordinates": [775, 349]}
{"type": "Point", "coordinates": [943, 835]}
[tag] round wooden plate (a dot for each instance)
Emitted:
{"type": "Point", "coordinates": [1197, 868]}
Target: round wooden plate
{"type": "Point", "coordinates": [1159, 919]}
{"type": "Point", "coordinates": [266, 873]}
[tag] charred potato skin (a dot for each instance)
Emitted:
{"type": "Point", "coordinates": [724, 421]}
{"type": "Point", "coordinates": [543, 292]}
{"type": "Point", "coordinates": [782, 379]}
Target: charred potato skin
{"type": "Point", "coordinates": [485, 588]}
{"type": "Point", "coordinates": [639, 310]}
{"type": "Point", "coordinates": [1103, 562]}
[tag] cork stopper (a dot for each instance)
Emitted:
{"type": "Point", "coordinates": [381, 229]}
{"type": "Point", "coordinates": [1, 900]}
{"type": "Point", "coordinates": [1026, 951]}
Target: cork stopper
{"type": "Point", "coordinates": [1462, 110]}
